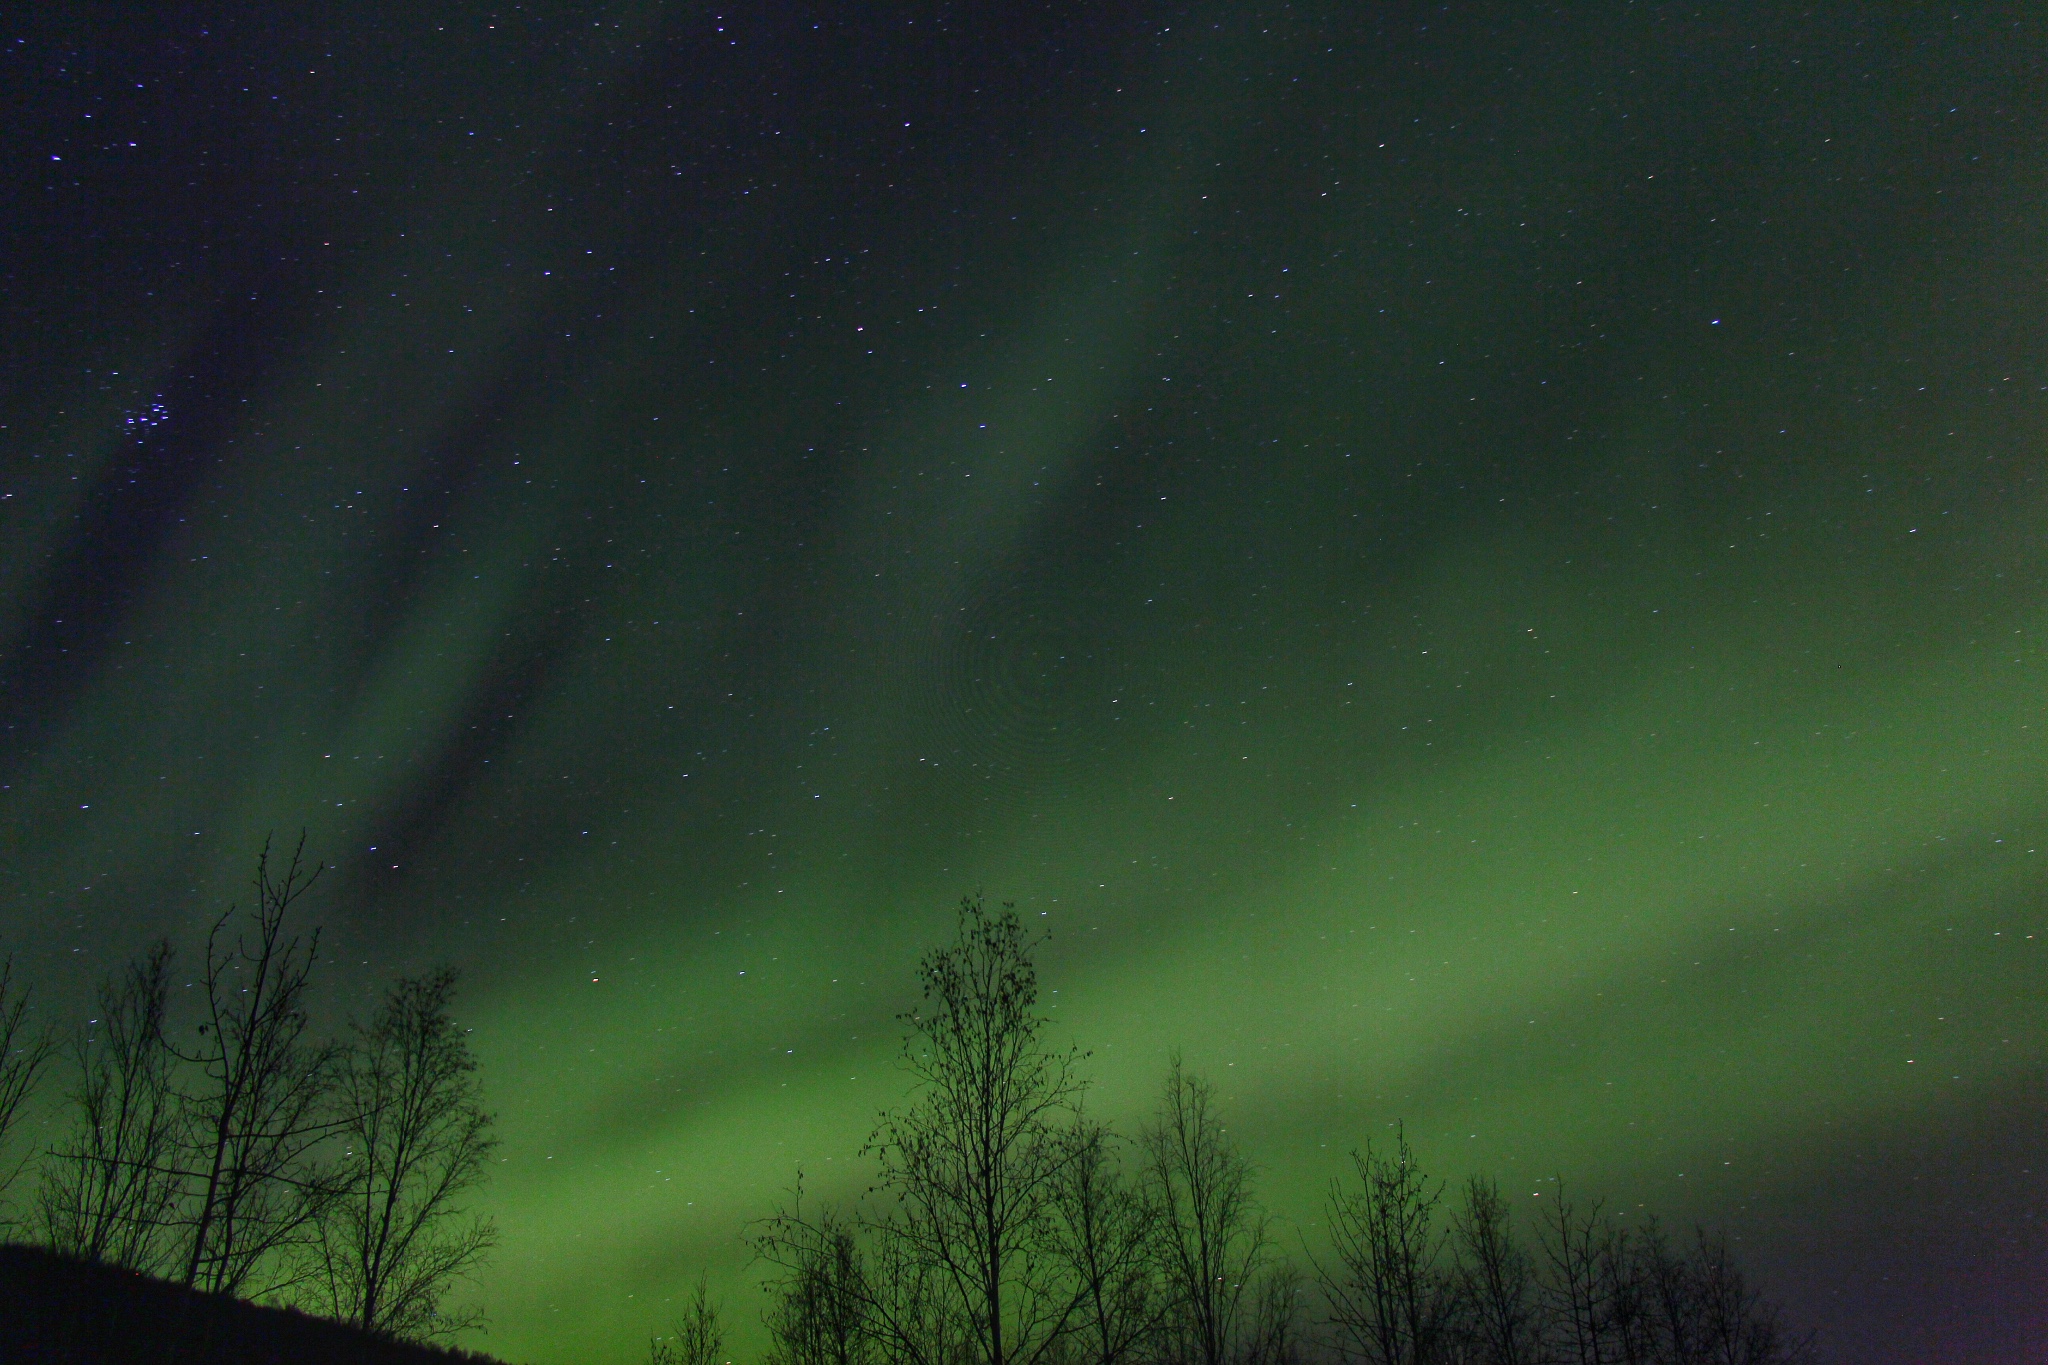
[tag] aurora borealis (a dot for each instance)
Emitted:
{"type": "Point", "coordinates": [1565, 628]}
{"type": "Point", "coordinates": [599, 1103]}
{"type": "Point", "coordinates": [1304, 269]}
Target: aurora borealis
{"type": "Point", "coordinates": [1474, 565]}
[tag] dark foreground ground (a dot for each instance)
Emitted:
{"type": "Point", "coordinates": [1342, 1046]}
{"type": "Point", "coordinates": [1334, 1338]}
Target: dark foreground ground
{"type": "Point", "coordinates": [65, 1312]}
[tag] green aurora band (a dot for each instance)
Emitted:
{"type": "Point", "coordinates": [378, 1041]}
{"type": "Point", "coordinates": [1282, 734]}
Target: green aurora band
{"type": "Point", "coordinates": [1489, 579]}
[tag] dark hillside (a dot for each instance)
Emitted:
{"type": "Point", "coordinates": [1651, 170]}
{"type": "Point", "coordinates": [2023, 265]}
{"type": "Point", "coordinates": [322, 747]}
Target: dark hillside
{"type": "Point", "coordinates": [59, 1311]}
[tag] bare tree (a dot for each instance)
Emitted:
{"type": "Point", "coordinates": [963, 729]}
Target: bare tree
{"type": "Point", "coordinates": [111, 1189]}
{"type": "Point", "coordinates": [699, 1335]}
{"type": "Point", "coordinates": [821, 1302]}
{"type": "Point", "coordinates": [258, 1113]}
{"type": "Point", "coordinates": [1274, 1337]}
{"type": "Point", "coordinates": [1577, 1291]}
{"type": "Point", "coordinates": [24, 1051]}
{"type": "Point", "coordinates": [1613, 1295]}
{"type": "Point", "coordinates": [1107, 1235]}
{"type": "Point", "coordinates": [1497, 1279]}
{"type": "Point", "coordinates": [1212, 1233]}
{"type": "Point", "coordinates": [913, 1309]}
{"type": "Point", "coordinates": [973, 1163]}
{"type": "Point", "coordinates": [1389, 1299]}
{"type": "Point", "coordinates": [854, 1292]}
{"type": "Point", "coordinates": [1630, 1320]}
{"type": "Point", "coordinates": [395, 1236]}
{"type": "Point", "coordinates": [1736, 1326]}
{"type": "Point", "coordinates": [1671, 1290]}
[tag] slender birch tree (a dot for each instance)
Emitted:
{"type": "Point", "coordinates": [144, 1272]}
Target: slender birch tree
{"type": "Point", "coordinates": [110, 1190]}
{"type": "Point", "coordinates": [1497, 1277]}
{"type": "Point", "coordinates": [822, 1299]}
{"type": "Point", "coordinates": [1108, 1235]}
{"type": "Point", "coordinates": [972, 1165]}
{"type": "Point", "coordinates": [24, 1051]}
{"type": "Point", "coordinates": [396, 1235]}
{"type": "Point", "coordinates": [1213, 1237]}
{"type": "Point", "coordinates": [699, 1334]}
{"type": "Point", "coordinates": [259, 1110]}
{"type": "Point", "coordinates": [1389, 1300]}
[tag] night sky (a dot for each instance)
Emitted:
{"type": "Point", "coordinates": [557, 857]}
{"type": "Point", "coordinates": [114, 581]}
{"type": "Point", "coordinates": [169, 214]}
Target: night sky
{"type": "Point", "coordinates": [1475, 565]}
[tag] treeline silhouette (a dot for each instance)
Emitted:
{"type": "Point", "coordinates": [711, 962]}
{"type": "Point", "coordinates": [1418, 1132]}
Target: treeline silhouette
{"type": "Point", "coordinates": [235, 1156]}
{"type": "Point", "coordinates": [1006, 1226]}
{"type": "Point", "coordinates": [239, 1158]}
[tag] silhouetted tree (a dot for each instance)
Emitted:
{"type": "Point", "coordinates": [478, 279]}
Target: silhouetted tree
{"type": "Point", "coordinates": [1496, 1279]}
{"type": "Point", "coordinates": [973, 1164]}
{"type": "Point", "coordinates": [395, 1235]}
{"type": "Point", "coordinates": [1389, 1299]}
{"type": "Point", "coordinates": [1613, 1295]}
{"type": "Point", "coordinates": [1578, 1290]}
{"type": "Point", "coordinates": [1668, 1286]}
{"type": "Point", "coordinates": [24, 1051]}
{"type": "Point", "coordinates": [1212, 1234]}
{"type": "Point", "coordinates": [1107, 1235]}
{"type": "Point", "coordinates": [1011, 1237]}
{"type": "Point", "coordinates": [1735, 1326]}
{"type": "Point", "coordinates": [820, 1309]}
{"type": "Point", "coordinates": [110, 1190]}
{"type": "Point", "coordinates": [913, 1310]}
{"type": "Point", "coordinates": [258, 1111]}
{"type": "Point", "coordinates": [699, 1335]}
{"type": "Point", "coordinates": [1274, 1337]}
{"type": "Point", "coordinates": [1631, 1336]}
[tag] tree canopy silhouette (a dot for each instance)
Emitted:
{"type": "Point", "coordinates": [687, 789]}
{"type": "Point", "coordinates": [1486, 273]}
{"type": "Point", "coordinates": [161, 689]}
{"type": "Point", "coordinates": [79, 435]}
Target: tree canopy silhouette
{"type": "Point", "coordinates": [973, 1162]}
